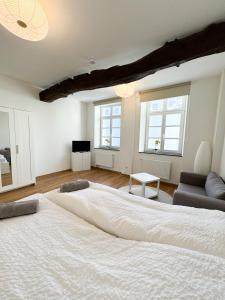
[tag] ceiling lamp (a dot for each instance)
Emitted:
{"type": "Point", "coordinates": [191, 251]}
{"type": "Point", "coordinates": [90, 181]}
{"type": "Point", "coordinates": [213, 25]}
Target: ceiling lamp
{"type": "Point", "coordinates": [124, 90]}
{"type": "Point", "coordinates": [24, 18]}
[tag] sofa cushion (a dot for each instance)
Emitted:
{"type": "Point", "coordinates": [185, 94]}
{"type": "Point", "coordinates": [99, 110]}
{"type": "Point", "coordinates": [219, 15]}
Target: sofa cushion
{"type": "Point", "coordinates": [191, 189]}
{"type": "Point", "coordinates": [215, 186]}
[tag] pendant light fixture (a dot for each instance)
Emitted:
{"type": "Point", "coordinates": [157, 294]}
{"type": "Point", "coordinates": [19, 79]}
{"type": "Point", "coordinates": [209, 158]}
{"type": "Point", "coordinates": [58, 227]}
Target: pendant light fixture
{"type": "Point", "coordinates": [24, 18]}
{"type": "Point", "coordinates": [125, 90]}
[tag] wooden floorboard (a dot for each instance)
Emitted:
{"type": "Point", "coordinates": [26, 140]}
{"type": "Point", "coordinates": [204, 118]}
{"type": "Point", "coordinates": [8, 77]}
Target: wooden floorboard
{"type": "Point", "coordinates": [52, 181]}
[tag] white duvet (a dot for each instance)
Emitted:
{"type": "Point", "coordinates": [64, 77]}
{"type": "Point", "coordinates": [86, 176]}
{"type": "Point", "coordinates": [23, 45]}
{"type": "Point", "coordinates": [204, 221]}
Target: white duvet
{"type": "Point", "coordinates": [135, 218]}
{"type": "Point", "coordinates": [54, 254]}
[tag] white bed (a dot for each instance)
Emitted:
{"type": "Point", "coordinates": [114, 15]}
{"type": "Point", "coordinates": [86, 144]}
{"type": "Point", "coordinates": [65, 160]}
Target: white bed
{"type": "Point", "coordinates": [54, 254]}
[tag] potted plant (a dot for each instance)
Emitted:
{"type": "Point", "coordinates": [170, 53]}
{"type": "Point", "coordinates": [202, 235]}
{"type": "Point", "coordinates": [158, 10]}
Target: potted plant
{"type": "Point", "coordinates": [157, 145]}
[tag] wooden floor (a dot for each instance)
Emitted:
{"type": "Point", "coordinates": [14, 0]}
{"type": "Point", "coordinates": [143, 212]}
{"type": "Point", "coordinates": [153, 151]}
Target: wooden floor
{"type": "Point", "coordinates": [49, 182]}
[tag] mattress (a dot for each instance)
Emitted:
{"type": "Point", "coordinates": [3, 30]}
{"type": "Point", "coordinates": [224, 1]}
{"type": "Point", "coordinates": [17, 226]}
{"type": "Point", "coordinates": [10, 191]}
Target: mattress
{"type": "Point", "coordinates": [54, 254]}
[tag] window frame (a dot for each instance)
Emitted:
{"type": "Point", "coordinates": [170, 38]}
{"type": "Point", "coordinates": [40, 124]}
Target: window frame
{"type": "Point", "coordinates": [164, 112]}
{"type": "Point", "coordinates": [110, 117]}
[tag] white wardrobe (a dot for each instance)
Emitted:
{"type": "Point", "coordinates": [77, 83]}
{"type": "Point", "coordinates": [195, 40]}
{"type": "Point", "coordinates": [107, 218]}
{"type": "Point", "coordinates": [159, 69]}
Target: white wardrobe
{"type": "Point", "coordinates": [16, 150]}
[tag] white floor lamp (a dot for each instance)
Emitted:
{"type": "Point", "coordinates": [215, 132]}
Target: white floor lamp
{"type": "Point", "coordinates": [203, 159]}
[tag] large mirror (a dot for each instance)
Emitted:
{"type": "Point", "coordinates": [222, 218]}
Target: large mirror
{"type": "Point", "coordinates": [5, 151]}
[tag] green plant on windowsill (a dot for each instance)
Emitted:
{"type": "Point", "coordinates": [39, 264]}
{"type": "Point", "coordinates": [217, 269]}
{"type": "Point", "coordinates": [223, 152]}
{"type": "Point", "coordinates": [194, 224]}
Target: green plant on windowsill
{"type": "Point", "coordinates": [157, 145]}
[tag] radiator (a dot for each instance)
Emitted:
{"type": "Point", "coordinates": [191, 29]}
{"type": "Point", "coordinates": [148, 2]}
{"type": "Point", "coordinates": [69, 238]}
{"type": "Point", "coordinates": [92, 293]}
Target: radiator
{"type": "Point", "coordinates": [104, 159]}
{"type": "Point", "coordinates": [158, 168]}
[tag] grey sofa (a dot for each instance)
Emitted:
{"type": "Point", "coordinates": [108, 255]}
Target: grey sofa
{"type": "Point", "coordinates": [200, 191]}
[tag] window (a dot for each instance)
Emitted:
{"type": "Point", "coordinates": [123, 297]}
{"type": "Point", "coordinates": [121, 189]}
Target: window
{"type": "Point", "coordinates": [110, 122]}
{"type": "Point", "coordinates": [165, 121]}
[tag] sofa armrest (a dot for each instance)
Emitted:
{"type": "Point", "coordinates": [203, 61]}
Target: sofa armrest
{"type": "Point", "coordinates": [193, 179]}
{"type": "Point", "coordinates": [199, 201]}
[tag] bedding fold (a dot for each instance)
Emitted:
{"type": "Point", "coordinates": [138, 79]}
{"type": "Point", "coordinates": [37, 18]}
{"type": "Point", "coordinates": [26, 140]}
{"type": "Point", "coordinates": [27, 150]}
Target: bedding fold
{"type": "Point", "coordinates": [135, 218]}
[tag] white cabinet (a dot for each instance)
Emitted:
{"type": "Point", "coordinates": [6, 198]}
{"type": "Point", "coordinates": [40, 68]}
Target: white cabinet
{"type": "Point", "coordinates": [77, 161]}
{"type": "Point", "coordinates": [86, 160]}
{"type": "Point", "coordinates": [16, 157]}
{"type": "Point", "coordinates": [81, 161]}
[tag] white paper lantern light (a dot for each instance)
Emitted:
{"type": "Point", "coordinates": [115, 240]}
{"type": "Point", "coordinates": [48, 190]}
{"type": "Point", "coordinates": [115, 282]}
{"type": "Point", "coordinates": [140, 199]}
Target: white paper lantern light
{"type": "Point", "coordinates": [124, 90]}
{"type": "Point", "coordinates": [24, 18]}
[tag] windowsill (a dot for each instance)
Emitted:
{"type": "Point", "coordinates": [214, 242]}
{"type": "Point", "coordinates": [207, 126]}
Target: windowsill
{"type": "Point", "coordinates": [162, 154]}
{"type": "Point", "coordinates": [107, 149]}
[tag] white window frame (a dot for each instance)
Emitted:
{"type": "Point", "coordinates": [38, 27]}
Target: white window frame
{"type": "Point", "coordinates": [164, 112]}
{"type": "Point", "coordinates": [110, 117]}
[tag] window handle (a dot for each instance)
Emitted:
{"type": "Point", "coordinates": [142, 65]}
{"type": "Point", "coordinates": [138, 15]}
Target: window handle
{"type": "Point", "coordinates": [17, 149]}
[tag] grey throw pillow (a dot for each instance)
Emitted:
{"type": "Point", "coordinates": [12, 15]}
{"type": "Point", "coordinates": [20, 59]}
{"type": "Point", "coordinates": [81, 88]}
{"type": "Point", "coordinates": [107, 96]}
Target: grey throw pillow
{"type": "Point", "coordinates": [15, 209]}
{"type": "Point", "coordinates": [214, 186]}
{"type": "Point", "coordinates": [74, 186]}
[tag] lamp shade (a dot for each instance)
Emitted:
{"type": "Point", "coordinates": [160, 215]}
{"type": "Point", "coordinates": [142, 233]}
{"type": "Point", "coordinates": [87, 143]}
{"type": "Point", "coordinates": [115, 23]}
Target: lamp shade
{"type": "Point", "coordinates": [124, 90]}
{"type": "Point", "coordinates": [203, 159]}
{"type": "Point", "coordinates": [24, 18]}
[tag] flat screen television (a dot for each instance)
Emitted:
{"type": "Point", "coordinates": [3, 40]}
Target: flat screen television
{"type": "Point", "coordinates": [81, 146]}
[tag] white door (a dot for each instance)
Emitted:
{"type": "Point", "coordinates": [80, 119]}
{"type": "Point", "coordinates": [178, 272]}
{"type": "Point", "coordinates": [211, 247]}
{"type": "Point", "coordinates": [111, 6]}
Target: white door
{"type": "Point", "coordinates": [23, 148]}
{"type": "Point", "coordinates": [8, 178]}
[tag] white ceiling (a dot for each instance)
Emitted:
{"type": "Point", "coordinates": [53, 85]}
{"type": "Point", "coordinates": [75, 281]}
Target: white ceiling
{"type": "Point", "coordinates": [112, 32]}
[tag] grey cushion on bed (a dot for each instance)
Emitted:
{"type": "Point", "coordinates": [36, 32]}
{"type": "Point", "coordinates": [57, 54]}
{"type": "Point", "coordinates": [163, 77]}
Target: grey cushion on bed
{"type": "Point", "coordinates": [215, 186]}
{"type": "Point", "coordinates": [74, 186]}
{"type": "Point", "coordinates": [15, 209]}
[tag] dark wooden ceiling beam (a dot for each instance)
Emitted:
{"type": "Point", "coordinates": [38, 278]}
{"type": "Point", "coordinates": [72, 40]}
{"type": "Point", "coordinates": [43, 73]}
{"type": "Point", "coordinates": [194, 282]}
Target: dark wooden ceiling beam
{"type": "Point", "coordinates": [209, 41]}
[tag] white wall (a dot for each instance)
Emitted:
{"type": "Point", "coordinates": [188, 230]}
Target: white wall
{"type": "Point", "coordinates": [200, 126]}
{"type": "Point", "coordinates": [127, 148]}
{"type": "Point", "coordinates": [201, 117]}
{"type": "Point", "coordinates": [55, 124]}
{"type": "Point", "coordinates": [218, 160]}
{"type": "Point", "coordinates": [222, 166]}
{"type": "Point", "coordinates": [219, 134]}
